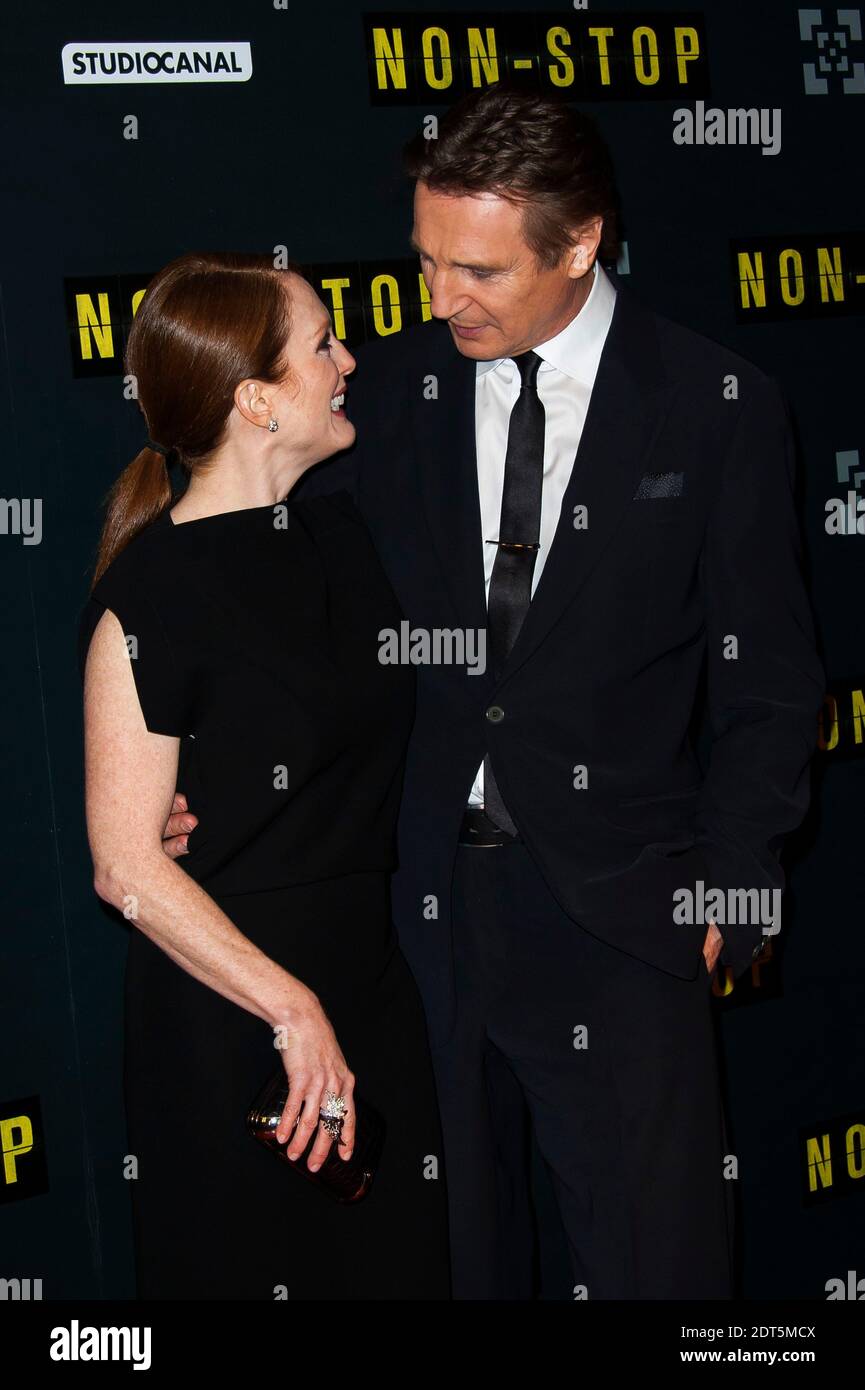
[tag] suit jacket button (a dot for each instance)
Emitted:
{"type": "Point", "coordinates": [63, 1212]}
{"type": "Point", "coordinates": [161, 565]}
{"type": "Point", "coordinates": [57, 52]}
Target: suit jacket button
{"type": "Point", "coordinates": [495, 714]}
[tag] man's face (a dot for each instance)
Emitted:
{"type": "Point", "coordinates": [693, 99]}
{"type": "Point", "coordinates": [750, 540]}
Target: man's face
{"type": "Point", "coordinates": [483, 277]}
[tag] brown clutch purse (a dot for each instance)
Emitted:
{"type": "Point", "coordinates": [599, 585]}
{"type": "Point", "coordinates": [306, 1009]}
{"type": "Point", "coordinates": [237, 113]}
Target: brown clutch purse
{"type": "Point", "coordinates": [344, 1181]}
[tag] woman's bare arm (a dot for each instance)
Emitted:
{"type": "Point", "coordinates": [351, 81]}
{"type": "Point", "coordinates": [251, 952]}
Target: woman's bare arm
{"type": "Point", "coordinates": [130, 779]}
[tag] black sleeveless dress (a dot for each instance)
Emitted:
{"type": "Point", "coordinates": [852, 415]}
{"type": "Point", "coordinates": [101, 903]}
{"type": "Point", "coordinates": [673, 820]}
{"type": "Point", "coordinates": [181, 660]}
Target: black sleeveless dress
{"type": "Point", "coordinates": [254, 638]}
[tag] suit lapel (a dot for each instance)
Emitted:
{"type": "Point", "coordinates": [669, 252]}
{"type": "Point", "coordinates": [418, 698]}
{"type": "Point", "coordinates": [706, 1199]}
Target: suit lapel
{"type": "Point", "coordinates": [629, 401]}
{"type": "Point", "coordinates": [447, 460]}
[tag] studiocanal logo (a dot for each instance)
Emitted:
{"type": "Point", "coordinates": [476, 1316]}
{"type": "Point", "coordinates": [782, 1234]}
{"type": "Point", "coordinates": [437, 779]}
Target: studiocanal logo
{"type": "Point", "coordinates": [86, 63]}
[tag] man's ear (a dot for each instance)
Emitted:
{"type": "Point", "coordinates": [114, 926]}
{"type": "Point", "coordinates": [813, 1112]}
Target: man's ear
{"type": "Point", "coordinates": [584, 247]}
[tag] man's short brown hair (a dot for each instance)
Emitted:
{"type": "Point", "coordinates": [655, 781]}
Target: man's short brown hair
{"type": "Point", "coordinates": [533, 151]}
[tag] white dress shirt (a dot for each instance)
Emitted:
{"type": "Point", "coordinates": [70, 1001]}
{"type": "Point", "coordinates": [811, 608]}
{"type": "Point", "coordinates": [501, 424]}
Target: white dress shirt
{"type": "Point", "coordinates": [565, 380]}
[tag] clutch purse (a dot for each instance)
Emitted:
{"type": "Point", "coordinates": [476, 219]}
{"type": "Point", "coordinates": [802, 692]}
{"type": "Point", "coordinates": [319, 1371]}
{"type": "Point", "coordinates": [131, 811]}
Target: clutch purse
{"type": "Point", "coordinates": [345, 1181]}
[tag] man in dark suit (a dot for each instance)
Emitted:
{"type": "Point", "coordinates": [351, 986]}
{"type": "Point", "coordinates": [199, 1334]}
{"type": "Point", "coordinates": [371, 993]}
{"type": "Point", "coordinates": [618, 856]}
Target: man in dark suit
{"type": "Point", "coordinates": [608, 497]}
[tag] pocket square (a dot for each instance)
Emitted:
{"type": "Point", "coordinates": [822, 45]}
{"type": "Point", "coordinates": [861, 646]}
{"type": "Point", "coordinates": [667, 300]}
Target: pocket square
{"type": "Point", "coordinates": [660, 485]}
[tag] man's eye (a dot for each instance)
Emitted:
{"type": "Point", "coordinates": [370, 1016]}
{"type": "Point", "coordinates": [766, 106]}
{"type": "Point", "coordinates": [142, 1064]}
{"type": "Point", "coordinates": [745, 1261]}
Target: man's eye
{"type": "Point", "coordinates": [482, 274]}
{"type": "Point", "coordinates": [325, 343]}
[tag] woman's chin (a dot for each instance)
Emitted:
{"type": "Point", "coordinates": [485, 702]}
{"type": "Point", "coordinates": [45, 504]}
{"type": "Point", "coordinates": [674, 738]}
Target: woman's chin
{"type": "Point", "coordinates": [342, 437]}
{"type": "Point", "coordinates": [343, 429]}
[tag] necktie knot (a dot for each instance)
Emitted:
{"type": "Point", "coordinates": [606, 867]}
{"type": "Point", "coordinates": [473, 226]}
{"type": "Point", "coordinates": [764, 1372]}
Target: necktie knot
{"type": "Point", "coordinates": [527, 364]}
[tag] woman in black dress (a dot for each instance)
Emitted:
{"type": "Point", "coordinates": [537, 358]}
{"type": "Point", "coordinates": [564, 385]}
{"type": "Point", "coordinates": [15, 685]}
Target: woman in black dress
{"type": "Point", "coordinates": [231, 643]}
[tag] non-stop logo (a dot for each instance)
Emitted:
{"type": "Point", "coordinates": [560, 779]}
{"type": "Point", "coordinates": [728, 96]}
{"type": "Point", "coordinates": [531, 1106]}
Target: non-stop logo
{"type": "Point", "coordinates": [841, 723]}
{"type": "Point", "coordinates": [23, 1166]}
{"type": "Point", "coordinates": [367, 300]}
{"type": "Point", "coordinates": [599, 56]}
{"type": "Point", "coordinates": [798, 276]}
{"type": "Point", "coordinates": [832, 1156]}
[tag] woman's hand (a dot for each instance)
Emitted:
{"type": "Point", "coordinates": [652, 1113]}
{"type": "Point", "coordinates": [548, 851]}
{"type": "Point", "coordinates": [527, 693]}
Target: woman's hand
{"type": "Point", "coordinates": [712, 946]}
{"type": "Point", "coordinates": [178, 827]}
{"type": "Point", "coordinates": [314, 1065]}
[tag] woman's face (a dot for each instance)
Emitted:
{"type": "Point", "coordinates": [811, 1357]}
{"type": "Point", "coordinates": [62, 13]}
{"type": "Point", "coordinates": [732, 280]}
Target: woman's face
{"type": "Point", "coordinates": [318, 366]}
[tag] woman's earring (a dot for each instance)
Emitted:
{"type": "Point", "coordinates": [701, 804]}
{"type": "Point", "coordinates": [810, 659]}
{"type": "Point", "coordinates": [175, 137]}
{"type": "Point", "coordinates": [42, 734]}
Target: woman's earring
{"type": "Point", "coordinates": [272, 424]}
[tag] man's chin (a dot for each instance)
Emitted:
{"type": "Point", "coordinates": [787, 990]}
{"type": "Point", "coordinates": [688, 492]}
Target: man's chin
{"type": "Point", "coordinates": [476, 348]}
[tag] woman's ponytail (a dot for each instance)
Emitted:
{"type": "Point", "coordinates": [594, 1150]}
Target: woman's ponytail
{"type": "Point", "coordinates": [142, 491]}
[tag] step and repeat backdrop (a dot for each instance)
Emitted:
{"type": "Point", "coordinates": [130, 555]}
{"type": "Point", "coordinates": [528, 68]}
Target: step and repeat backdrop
{"type": "Point", "coordinates": [138, 132]}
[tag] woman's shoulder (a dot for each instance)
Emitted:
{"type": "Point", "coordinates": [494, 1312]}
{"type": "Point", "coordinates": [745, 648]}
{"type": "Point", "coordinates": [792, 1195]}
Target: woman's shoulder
{"type": "Point", "coordinates": [131, 584]}
{"type": "Point", "coordinates": [140, 587]}
{"type": "Point", "coordinates": [141, 562]}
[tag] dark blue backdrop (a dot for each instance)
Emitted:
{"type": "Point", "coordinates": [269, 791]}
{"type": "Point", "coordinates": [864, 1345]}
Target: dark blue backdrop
{"type": "Point", "coordinates": [301, 155]}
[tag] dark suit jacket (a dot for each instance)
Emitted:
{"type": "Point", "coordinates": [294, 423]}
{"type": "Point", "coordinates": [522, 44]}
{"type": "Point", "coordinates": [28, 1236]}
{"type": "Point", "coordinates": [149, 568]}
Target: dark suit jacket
{"type": "Point", "coordinates": [691, 539]}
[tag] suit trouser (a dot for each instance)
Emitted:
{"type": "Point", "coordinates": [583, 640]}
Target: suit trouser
{"type": "Point", "coordinates": [617, 1064]}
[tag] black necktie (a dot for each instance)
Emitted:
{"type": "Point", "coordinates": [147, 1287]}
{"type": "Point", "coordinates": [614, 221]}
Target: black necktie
{"type": "Point", "coordinates": [519, 536]}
